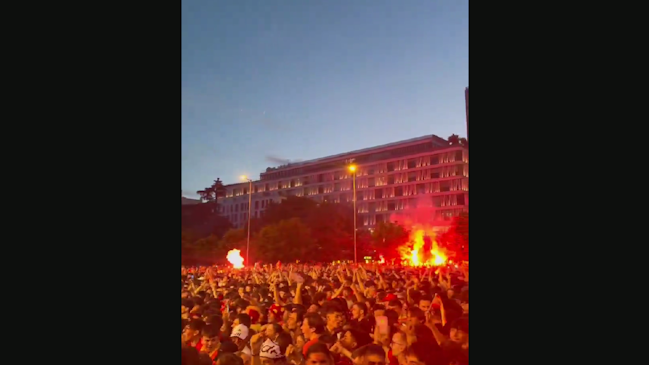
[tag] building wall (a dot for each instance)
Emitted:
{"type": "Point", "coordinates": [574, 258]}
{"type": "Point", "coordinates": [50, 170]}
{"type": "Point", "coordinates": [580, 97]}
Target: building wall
{"type": "Point", "coordinates": [437, 178]}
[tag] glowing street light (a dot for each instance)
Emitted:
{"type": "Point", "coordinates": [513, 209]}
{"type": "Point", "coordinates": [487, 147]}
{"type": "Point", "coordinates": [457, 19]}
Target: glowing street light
{"type": "Point", "coordinates": [245, 178]}
{"type": "Point", "coordinates": [352, 168]}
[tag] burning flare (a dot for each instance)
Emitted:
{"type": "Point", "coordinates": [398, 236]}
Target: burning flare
{"type": "Point", "coordinates": [235, 259]}
{"type": "Point", "coordinates": [417, 255]}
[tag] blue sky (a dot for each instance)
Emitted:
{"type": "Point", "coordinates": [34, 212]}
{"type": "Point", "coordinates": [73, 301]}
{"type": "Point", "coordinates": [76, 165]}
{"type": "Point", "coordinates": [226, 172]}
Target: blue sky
{"type": "Point", "coordinates": [302, 79]}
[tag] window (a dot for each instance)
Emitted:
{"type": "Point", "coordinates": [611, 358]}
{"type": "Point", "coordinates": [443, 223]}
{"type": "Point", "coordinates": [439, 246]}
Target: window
{"type": "Point", "coordinates": [435, 174]}
{"type": "Point", "coordinates": [337, 187]}
{"type": "Point", "coordinates": [421, 189]}
{"type": "Point", "coordinates": [371, 182]}
{"type": "Point", "coordinates": [390, 166]}
{"type": "Point", "coordinates": [460, 199]}
{"type": "Point", "coordinates": [320, 189]}
{"type": "Point", "coordinates": [398, 191]}
{"type": "Point", "coordinates": [391, 180]}
{"type": "Point", "coordinates": [378, 193]}
{"type": "Point", "coordinates": [257, 204]}
{"type": "Point", "coordinates": [445, 186]}
{"type": "Point", "coordinates": [458, 155]}
{"type": "Point", "coordinates": [412, 163]}
{"type": "Point", "coordinates": [412, 177]}
{"type": "Point", "coordinates": [263, 204]}
{"type": "Point", "coordinates": [434, 160]}
{"type": "Point", "coordinates": [391, 205]}
{"type": "Point", "coordinates": [292, 183]}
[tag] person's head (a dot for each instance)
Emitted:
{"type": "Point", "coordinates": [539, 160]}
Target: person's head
{"type": "Point", "coordinates": [353, 339]}
{"type": "Point", "coordinates": [239, 336]}
{"type": "Point", "coordinates": [460, 331]}
{"type": "Point", "coordinates": [421, 353]}
{"type": "Point", "coordinates": [193, 330]}
{"type": "Point", "coordinates": [210, 337]}
{"type": "Point", "coordinates": [241, 305]}
{"type": "Point", "coordinates": [227, 358]}
{"type": "Point", "coordinates": [275, 313]}
{"type": "Point", "coordinates": [371, 288]}
{"type": "Point", "coordinates": [320, 298]}
{"type": "Point", "coordinates": [318, 354]}
{"type": "Point", "coordinates": [358, 311]}
{"type": "Point", "coordinates": [186, 305]}
{"type": "Point", "coordinates": [294, 320]}
{"type": "Point", "coordinates": [395, 305]}
{"type": "Point", "coordinates": [348, 292]}
{"type": "Point", "coordinates": [425, 302]}
{"type": "Point", "coordinates": [284, 339]}
{"type": "Point", "coordinates": [188, 355]}
{"type": "Point", "coordinates": [416, 316]}
{"type": "Point", "coordinates": [399, 343]}
{"type": "Point", "coordinates": [243, 319]}
{"type": "Point", "coordinates": [334, 316]}
{"type": "Point", "coordinates": [299, 341]}
{"type": "Point", "coordinates": [379, 310]}
{"type": "Point", "coordinates": [214, 320]}
{"type": "Point", "coordinates": [271, 354]}
{"type": "Point", "coordinates": [273, 330]}
{"type": "Point", "coordinates": [312, 325]}
{"type": "Point", "coordinates": [371, 354]}
{"type": "Point", "coordinates": [313, 308]}
{"type": "Point", "coordinates": [464, 302]}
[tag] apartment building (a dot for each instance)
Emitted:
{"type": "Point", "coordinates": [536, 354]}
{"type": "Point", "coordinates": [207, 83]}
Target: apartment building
{"type": "Point", "coordinates": [392, 178]}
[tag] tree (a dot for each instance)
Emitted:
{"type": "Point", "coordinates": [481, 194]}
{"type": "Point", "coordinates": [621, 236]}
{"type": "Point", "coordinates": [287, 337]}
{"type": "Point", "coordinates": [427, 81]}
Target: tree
{"type": "Point", "coordinates": [387, 237]}
{"type": "Point", "coordinates": [211, 194]}
{"type": "Point", "coordinates": [233, 238]}
{"type": "Point", "coordinates": [332, 228]}
{"type": "Point", "coordinates": [202, 220]}
{"type": "Point", "coordinates": [291, 207]}
{"type": "Point", "coordinates": [288, 240]}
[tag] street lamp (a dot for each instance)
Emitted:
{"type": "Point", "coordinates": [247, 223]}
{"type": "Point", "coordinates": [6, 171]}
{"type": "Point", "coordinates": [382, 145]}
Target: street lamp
{"type": "Point", "coordinates": [244, 177]}
{"type": "Point", "coordinates": [352, 168]}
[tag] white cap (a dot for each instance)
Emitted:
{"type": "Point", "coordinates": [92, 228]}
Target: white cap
{"type": "Point", "coordinates": [240, 331]}
{"type": "Point", "coordinates": [270, 350]}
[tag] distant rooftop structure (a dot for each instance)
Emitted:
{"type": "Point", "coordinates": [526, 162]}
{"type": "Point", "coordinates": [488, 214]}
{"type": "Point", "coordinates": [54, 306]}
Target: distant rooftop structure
{"type": "Point", "coordinates": [188, 201]}
{"type": "Point", "coordinates": [437, 141]}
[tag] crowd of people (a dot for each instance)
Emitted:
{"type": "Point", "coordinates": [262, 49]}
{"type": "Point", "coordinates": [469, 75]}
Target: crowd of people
{"type": "Point", "coordinates": [343, 314]}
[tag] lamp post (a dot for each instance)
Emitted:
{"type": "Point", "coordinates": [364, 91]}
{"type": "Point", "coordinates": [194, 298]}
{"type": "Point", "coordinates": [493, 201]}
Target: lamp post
{"type": "Point", "coordinates": [352, 168]}
{"type": "Point", "coordinates": [244, 177]}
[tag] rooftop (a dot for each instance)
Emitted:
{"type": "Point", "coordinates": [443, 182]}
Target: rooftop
{"type": "Point", "coordinates": [363, 150]}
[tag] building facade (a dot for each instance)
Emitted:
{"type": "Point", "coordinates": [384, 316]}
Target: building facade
{"type": "Point", "coordinates": [391, 180]}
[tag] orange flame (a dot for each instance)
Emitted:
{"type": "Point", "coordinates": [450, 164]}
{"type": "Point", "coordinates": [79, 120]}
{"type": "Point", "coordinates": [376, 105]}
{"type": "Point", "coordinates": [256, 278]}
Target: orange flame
{"type": "Point", "coordinates": [235, 259]}
{"type": "Point", "coordinates": [416, 257]}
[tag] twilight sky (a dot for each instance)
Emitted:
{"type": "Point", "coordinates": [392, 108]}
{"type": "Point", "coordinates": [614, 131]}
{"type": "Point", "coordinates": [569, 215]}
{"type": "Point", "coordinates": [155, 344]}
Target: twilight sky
{"type": "Point", "coordinates": [303, 79]}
